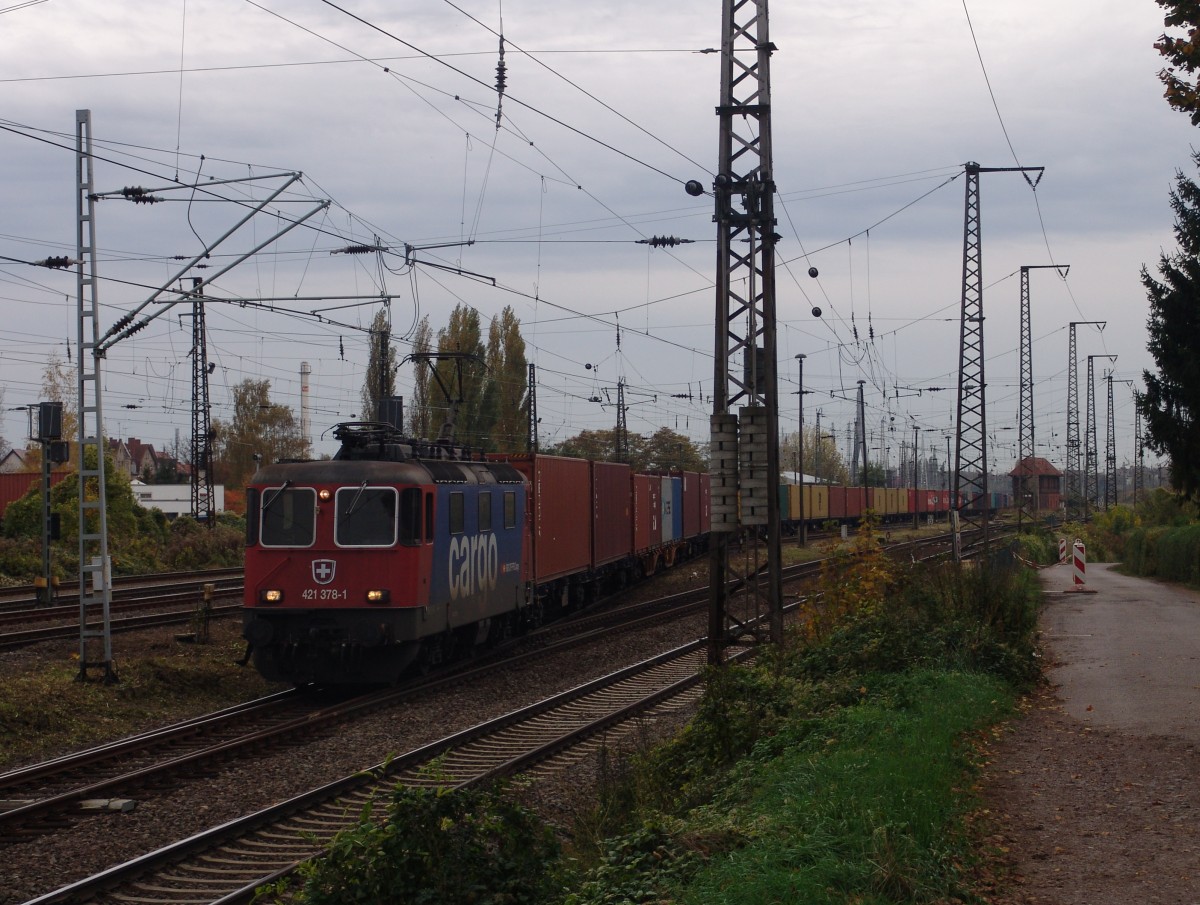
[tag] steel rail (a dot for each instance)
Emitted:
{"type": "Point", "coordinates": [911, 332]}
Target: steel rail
{"type": "Point", "coordinates": [228, 863]}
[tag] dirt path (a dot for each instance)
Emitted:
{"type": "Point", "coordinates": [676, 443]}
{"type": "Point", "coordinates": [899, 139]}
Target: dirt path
{"type": "Point", "coordinates": [1095, 794]}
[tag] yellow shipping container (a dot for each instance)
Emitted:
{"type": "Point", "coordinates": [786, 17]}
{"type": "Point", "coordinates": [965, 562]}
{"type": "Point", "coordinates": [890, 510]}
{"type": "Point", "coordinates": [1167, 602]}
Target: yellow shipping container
{"type": "Point", "coordinates": [816, 501]}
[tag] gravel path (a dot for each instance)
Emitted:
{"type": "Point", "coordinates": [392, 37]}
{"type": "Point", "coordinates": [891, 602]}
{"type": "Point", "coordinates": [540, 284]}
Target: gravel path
{"type": "Point", "coordinates": [1094, 795]}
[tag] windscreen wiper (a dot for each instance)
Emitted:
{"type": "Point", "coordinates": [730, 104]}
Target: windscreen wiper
{"type": "Point", "coordinates": [271, 502]}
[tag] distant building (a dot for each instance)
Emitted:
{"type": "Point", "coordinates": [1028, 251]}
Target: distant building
{"type": "Point", "coordinates": [142, 461]}
{"type": "Point", "coordinates": [15, 460]}
{"type": "Point", "coordinates": [173, 500]}
{"type": "Point", "coordinates": [1041, 480]}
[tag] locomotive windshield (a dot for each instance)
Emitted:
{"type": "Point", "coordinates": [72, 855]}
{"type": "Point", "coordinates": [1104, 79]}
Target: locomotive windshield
{"type": "Point", "coordinates": [366, 516]}
{"type": "Point", "coordinates": [288, 517]}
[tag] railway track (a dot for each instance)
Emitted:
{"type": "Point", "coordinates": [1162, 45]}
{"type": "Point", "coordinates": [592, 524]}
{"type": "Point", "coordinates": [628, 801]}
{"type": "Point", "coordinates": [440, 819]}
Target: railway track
{"type": "Point", "coordinates": [272, 841]}
{"type": "Point", "coordinates": [24, 597]}
{"type": "Point", "coordinates": [172, 604]}
{"type": "Point", "coordinates": [227, 863]}
{"type": "Point", "coordinates": [45, 797]}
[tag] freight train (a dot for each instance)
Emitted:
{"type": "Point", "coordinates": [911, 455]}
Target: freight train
{"type": "Point", "coordinates": [828, 502]}
{"type": "Point", "coordinates": [399, 553]}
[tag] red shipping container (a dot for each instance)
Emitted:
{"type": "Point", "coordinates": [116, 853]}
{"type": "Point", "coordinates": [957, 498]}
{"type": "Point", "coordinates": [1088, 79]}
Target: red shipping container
{"type": "Point", "coordinates": [856, 501]}
{"type": "Point", "coordinates": [837, 502]}
{"type": "Point", "coordinates": [559, 497]}
{"type": "Point", "coordinates": [647, 512]}
{"type": "Point", "coordinates": [612, 512]}
{"type": "Point", "coordinates": [691, 503]}
{"type": "Point", "coordinates": [15, 484]}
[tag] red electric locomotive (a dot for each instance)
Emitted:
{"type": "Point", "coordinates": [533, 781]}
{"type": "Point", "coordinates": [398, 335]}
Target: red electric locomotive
{"type": "Point", "coordinates": [397, 550]}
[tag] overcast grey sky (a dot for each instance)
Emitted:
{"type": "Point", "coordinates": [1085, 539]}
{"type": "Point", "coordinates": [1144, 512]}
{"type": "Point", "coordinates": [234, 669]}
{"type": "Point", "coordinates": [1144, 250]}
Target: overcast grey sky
{"type": "Point", "coordinates": [609, 109]}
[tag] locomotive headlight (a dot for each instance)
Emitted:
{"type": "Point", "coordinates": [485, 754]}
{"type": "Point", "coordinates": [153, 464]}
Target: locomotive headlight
{"type": "Point", "coordinates": [379, 596]}
{"type": "Point", "coordinates": [272, 595]}
{"type": "Point", "coordinates": [324, 495]}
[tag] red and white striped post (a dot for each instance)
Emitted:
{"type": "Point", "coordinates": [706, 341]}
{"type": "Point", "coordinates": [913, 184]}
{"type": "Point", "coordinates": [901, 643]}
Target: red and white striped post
{"type": "Point", "coordinates": [1079, 567]}
{"type": "Point", "coordinates": [1062, 549]}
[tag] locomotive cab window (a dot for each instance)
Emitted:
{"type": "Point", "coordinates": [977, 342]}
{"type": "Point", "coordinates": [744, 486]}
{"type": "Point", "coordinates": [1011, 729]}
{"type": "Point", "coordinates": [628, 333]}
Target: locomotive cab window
{"type": "Point", "coordinates": [457, 513]}
{"type": "Point", "coordinates": [485, 512]}
{"type": "Point", "coordinates": [365, 516]}
{"type": "Point", "coordinates": [288, 516]}
{"type": "Point", "coordinates": [510, 509]}
{"type": "Point", "coordinates": [410, 516]}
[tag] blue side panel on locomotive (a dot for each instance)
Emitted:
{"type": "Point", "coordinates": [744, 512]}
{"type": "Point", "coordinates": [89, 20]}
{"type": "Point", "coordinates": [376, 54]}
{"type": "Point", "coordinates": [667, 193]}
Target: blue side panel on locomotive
{"type": "Point", "coordinates": [477, 551]}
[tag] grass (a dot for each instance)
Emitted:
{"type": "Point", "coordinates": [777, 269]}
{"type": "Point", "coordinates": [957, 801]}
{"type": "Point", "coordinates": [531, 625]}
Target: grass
{"type": "Point", "coordinates": [837, 770]}
{"type": "Point", "coordinates": [45, 712]}
{"type": "Point", "coordinates": [857, 806]}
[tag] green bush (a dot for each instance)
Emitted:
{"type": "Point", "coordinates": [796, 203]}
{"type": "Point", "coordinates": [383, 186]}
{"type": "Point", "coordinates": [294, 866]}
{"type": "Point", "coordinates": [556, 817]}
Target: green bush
{"type": "Point", "coordinates": [970, 618]}
{"type": "Point", "coordinates": [191, 545]}
{"type": "Point", "coordinates": [1167, 509]}
{"type": "Point", "coordinates": [1178, 554]}
{"type": "Point", "coordinates": [437, 847]}
{"type": "Point", "coordinates": [20, 559]}
{"type": "Point", "coordinates": [1141, 550]}
{"type": "Point", "coordinates": [635, 867]}
{"type": "Point", "coordinates": [1037, 547]}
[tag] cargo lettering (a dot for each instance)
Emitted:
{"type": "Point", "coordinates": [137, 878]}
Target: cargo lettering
{"type": "Point", "coordinates": [474, 563]}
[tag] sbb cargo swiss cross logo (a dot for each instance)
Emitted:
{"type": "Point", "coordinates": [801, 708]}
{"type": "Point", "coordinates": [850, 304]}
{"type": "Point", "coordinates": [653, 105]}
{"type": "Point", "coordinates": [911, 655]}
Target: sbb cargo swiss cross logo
{"type": "Point", "coordinates": [323, 570]}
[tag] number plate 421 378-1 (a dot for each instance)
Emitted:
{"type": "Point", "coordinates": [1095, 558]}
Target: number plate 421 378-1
{"type": "Point", "coordinates": [324, 594]}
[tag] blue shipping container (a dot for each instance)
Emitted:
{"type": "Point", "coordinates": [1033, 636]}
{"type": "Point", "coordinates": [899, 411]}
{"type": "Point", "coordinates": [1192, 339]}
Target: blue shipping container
{"type": "Point", "coordinates": [677, 509]}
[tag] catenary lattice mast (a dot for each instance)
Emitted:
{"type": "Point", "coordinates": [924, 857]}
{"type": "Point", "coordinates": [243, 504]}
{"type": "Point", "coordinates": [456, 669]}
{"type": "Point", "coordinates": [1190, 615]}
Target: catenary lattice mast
{"type": "Point", "coordinates": [745, 421]}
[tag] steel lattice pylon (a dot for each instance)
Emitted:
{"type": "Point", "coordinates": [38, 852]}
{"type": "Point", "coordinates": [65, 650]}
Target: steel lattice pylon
{"type": "Point", "coordinates": [1075, 484]}
{"type": "Point", "coordinates": [531, 434]}
{"type": "Point", "coordinates": [1139, 462]}
{"type": "Point", "coordinates": [745, 444]}
{"type": "Point", "coordinates": [1025, 438]}
{"type": "Point", "coordinates": [1091, 489]}
{"type": "Point", "coordinates": [622, 435]}
{"type": "Point", "coordinates": [203, 493]}
{"type": "Point", "coordinates": [970, 454]}
{"type": "Point", "coordinates": [1110, 452]}
{"type": "Point", "coordinates": [1027, 502]}
{"type": "Point", "coordinates": [970, 457]}
{"type": "Point", "coordinates": [1073, 444]}
{"type": "Point", "coordinates": [95, 592]}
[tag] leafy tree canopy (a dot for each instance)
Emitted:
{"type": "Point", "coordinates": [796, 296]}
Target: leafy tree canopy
{"type": "Point", "coordinates": [380, 380]}
{"type": "Point", "coordinates": [664, 450]}
{"type": "Point", "coordinates": [1182, 54]}
{"type": "Point", "coordinates": [259, 428]}
{"type": "Point", "coordinates": [1171, 400]}
{"type": "Point", "coordinates": [485, 382]}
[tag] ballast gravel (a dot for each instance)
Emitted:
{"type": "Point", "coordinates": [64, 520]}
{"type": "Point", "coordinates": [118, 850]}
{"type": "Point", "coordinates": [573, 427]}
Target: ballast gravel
{"type": "Point", "coordinates": [245, 785]}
